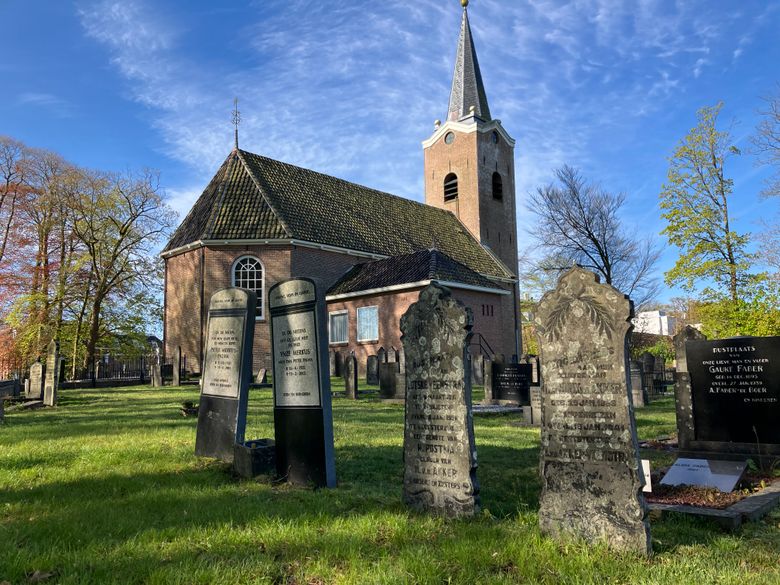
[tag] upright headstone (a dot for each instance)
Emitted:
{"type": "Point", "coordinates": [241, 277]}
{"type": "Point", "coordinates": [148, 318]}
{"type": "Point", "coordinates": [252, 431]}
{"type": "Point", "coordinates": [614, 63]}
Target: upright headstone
{"type": "Point", "coordinates": [391, 381]}
{"type": "Point", "coordinates": [382, 355]}
{"type": "Point", "coordinates": [478, 369]}
{"type": "Point", "coordinates": [591, 471]}
{"type": "Point", "coordinates": [488, 382]}
{"type": "Point", "coordinates": [372, 370]}
{"type": "Point", "coordinates": [36, 381]}
{"type": "Point", "coordinates": [52, 374]}
{"type": "Point", "coordinates": [637, 392]}
{"type": "Point", "coordinates": [351, 376]}
{"type": "Point", "coordinates": [303, 418]}
{"type": "Point", "coordinates": [648, 373]}
{"type": "Point", "coordinates": [401, 360]}
{"type": "Point", "coordinates": [511, 383]}
{"type": "Point", "coordinates": [395, 357]}
{"type": "Point", "coordinates": [227, 373]}
{"type": "Point", "coordinates": [156, 375]}
{"type": "Point", "coordinates": [735, 392]}
{"type": "Point", "coordinates": [440, 456]}
{"type": "Point", "coordinates": [535, 407]}
{"type": "Point", "coordinates": [332, 363]}
{"type": "Point", "coordinates": [339, 363]}
{"type": "Point", "coordinates": [262, 376]}
{"type": "Point", "coordinates": [26, 387]}
{"type": "Point", "coordinates": [682, 387]}
{"type": "Point", "coordinates": [177, 366]}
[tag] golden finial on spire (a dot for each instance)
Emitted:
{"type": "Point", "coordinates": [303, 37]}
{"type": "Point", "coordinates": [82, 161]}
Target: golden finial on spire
{"type": "Point", "coordinates": [464, 3]}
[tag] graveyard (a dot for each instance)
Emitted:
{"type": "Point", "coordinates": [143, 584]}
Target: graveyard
{"type": "Point", "coordinates": [105, 488]}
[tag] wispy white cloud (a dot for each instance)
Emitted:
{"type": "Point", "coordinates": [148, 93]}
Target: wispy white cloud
{"type": "Point", "coordinates": [55, 104]}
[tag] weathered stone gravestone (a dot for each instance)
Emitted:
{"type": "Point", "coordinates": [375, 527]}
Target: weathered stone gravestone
{"type": "Point", "coordinates": [177, 366]}
{"type": "Point", "coordinates": [303, 419]}
{"type": "Point", "coordinates": [262, 376]}
{"type": "Point", "coordinates": [339, 363]}
{"type": "Point", "coordinates": [478, 369]}
{"type": "Point", "coordinates": [440, 457]}
{"type": "Point", "coordinates": [351, 376]}
{"type": "Point", "coordinates": [52, 374]}
{"type": "Point", "coordinates": [227, 373]}
{"type": "Point", "coordinates": [392, 383]}
{"type": "Point", "coordinates": [728, 396]}
{"type": "Point", "coordinates": [332, 363]}
{"type": "Point", "coordinates": [395, 357]}
{"type": "Point", "coordinates": [590, 466]}
{"type": "Point", "coordinates": [156, 375]}
{"type": "Point", "coordinates": [372, 370]}
{"type": "Point", "coordinates": [36, 381]}
{"type": "Point", "coordinates": [382, 355]}
{"type": "Point", "coordinates": [637, 386]}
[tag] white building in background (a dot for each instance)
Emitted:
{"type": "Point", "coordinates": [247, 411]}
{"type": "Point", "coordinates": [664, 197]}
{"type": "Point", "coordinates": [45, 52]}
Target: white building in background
{"type": "Point", "coordinates": [655, 322]}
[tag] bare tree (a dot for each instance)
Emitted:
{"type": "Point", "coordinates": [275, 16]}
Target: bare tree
{"type": "Point", "coordinates": [766, 141]}
{"type": "Point", "coordinates": [12, 185]}
{"type": "Point", "coordinates": [579, 222]}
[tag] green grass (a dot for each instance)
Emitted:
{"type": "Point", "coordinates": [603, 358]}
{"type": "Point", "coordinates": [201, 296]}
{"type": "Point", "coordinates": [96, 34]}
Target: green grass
{"type": "Point", "coordinates": [105, 489]}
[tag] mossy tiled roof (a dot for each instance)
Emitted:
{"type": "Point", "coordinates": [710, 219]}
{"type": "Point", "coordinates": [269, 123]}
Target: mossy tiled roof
{"type": "Point", "coordinates": [254, 197]}
{"type": "Point", "coordinates": [409, 268]}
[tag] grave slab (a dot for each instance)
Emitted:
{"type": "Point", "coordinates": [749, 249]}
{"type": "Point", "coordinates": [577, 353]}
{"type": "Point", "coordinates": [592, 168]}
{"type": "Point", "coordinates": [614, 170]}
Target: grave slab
{"type": "Point", "coordinates": [718, 474]}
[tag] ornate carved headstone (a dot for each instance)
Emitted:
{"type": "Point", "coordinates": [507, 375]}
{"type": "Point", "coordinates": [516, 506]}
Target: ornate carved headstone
{"type": "Point", "coordinates": [372, 370]}
{"type": "Point", "coordinates": [303, 419]}
{"type": "Point", "coordinates": [36, 381]}
{"type": "Point", "coordinates": [351, 376]}
{"type": "Point", "coordinates": [177, 366]}
{"type": "Point", "coordinates": [440, 457]}
{"type": "Point", "coordinates": [52, 374]}
{"type": "Point", "coordinates": [227, 373]}
{"type": "Point", "coordinates": [591, 471]}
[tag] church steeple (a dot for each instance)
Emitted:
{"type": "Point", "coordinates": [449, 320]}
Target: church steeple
{"type": "Point", "coordinates": [467, 88]}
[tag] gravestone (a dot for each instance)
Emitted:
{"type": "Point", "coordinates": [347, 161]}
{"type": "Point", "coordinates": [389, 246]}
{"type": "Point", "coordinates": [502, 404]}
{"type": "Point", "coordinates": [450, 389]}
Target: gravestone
{"type": "Point", "coordinates": [535, 407]}
{"type": "Point", "coordinates": [52, 379]}
{"type": "Point", "coordinates": [682, 387]}
{"type": "Point", "coordinates": [395, 357]}
{"type": "Point", "coordinates": [402, 361]}
{"type": "Point", "coordinates": [177, 366]}
{"type": "Point", "coordinates": [478, 369]}
{"type": "Point", "coordinates": [26, 387]}
{"type": "Point", "coordinates": [351, 376]}
{"type": "Point", "coordinates": [303, 418]}
{"type": "Point", "coordinates": [382, 355]}
{"type": "Point", "coordinates": [372, 370]}
{"type": "Point", "coordinates": [36, 381]}
{"type": "Point", "coordinates": [339, 363]}
{"type": "Point", "coordinates": [332, 363]}
{"type": "Point", "coordinates": [590, 467]}
{"type": "Point", "coordinates": [440, 456]}
{"type": "Point", "coordinates": [648, 373]}
{"type": "Point", "coordinates": [637, 391]}
{"type": "Point", "coordinates": [156, 375]}
{"type": "Point", "coordinates": [262, 376]}
{"type": "Point", "coordinates": [488, 382]}
{"type": "Point", "coordinates": [511, 383]}
{"type": "Point", "coordinates": [735, 397]}
{"type": "Point", "coordinates": [721, 475]}
{"type": "Point", "coordinates": [391, 381]}
{"type": "Point", "coordinates": [227, 373]}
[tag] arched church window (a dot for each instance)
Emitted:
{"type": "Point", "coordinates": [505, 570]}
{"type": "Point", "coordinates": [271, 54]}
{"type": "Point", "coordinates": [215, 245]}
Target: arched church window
{"type": "Point", "coordinates": [498, 186]}
{"type": "Point", "coordinates": [450, 187]}
{"type": "Point", "coordinates": [248, 274]}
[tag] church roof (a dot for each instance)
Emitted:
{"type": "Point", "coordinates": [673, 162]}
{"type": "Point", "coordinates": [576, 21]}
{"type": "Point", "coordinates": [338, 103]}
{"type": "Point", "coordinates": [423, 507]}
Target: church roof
{"type": "Point", "coordinates": [420, 266]}
{"type": "Point", "coordinates": [252, 197]}
{"type": "Point", "coordinates": [467, 87]}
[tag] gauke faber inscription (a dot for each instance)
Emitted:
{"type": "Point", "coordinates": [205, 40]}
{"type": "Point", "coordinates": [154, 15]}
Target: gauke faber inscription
{"type": "Point", "coordinates": [302, 411]}
{"type": "Point", "coordinates": [591, 472]}
{"type": "Point", "coordinates": [440, 458]}
{"type": "Point", "coordinates": [227, 373]}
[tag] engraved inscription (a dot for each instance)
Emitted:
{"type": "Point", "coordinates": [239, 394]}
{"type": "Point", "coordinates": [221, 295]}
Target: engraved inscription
{"type": "Point", "coordinates": [223, 356]}
{"type": "Point", "coordinates": [296, 370]}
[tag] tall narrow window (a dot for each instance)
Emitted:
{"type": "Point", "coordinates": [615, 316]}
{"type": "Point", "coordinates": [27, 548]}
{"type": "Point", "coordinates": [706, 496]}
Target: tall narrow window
{"type": "Point", "coordinates": [338, 326]}
{"type": "Point", "coordinates": [450, 187]}
{"type": "Point", "coordinates": [368, 324]}
{"type": "Point", "coordinates": [248, 274]}
{"type": "Point", "coordinates": [498, 186]}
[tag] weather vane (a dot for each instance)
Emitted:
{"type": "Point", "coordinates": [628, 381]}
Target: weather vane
{"type": "Point", "coordinates": [236, 118]}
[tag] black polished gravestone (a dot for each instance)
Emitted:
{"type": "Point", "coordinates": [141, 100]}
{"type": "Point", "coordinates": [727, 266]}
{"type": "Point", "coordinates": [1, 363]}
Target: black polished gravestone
{"type": "Point", "coordinates": [735, 394]}
{"type": "Point", "coordinates": [303, 419]}
{"type": "Point", "coordinates": [227, 373]}
{"type": "Point", "coordinates": [512, 383]}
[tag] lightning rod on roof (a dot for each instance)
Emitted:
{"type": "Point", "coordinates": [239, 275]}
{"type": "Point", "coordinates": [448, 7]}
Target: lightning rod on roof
{"type": "Point", "coordinates": [236, 118]}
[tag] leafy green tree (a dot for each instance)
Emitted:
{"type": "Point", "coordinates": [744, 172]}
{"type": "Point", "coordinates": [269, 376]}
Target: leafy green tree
{"type": "Point", "coordinates": [695, 204]}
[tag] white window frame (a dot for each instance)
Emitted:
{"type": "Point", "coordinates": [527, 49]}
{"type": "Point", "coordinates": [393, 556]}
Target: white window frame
{"type": "Point", "coordinates": [376, 310]}
{"type": "Point", "coordinates": [330, 329]}
{"type": "Point", "coordinates": [259, 316]}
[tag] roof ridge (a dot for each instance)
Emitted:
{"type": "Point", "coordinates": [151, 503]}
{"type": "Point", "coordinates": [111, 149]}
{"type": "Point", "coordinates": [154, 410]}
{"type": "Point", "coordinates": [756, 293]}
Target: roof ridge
{"type": "Point", "coordinates": [260, 190]}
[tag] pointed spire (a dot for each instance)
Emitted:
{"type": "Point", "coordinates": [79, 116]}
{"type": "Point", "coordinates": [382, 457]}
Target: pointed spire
{"type": "Point", "coordinates": [468, 90]}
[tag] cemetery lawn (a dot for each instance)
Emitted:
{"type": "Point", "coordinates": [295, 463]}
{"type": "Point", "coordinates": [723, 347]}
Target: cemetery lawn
{"type": "Point", "coordinates": [105, 488]}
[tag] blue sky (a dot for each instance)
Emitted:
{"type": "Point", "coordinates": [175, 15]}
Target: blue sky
{"type": "Point", "coordinates": [351, 88]}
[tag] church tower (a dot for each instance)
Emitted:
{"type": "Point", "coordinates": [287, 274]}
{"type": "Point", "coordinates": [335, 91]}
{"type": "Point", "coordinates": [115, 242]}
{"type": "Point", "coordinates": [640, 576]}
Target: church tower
{"type": "Point", "coordinates": [469, 160]}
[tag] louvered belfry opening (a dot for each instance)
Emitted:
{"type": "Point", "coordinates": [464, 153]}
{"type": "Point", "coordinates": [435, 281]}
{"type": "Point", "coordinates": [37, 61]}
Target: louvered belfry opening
{"type": "Point", "coordinates": [498, 186]}
{"type": "Point", "coordinates": [450, 187]}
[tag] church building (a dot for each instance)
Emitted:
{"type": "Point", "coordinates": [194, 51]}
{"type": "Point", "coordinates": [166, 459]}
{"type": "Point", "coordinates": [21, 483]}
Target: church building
{"type": "Point", "coordinates": [260, 221]}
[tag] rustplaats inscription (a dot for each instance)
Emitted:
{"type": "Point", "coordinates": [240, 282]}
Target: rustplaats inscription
{"type": "Point", "coordinates": [292, 292]}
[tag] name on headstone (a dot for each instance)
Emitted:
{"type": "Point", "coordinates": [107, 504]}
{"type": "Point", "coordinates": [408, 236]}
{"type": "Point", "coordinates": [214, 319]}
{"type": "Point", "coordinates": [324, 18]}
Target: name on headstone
{"type": "Point", "coordinates": [303, 419]}
{"type": "Point", "coordinates": [227, 373]}
{"type": "Point", "coordinates": [591, 472]}
{"type": "Point", "coordinates": [511, 382]}
{"type": "Point", "coordinates": [440, 457]}
{"type": "Point", "coordinates": [721, 475]}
